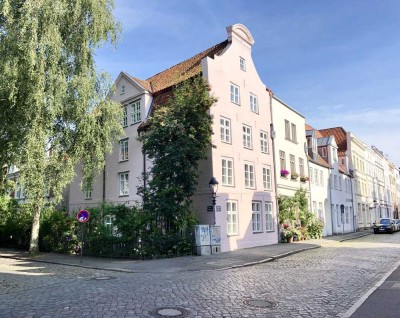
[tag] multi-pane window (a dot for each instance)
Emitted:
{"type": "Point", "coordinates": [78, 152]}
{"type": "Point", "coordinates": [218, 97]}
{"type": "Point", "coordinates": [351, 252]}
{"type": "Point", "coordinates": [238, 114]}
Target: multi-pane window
{"type": "Point", "coordinates": [231, 217]}
{"type": "Point", "coordinates": [324, 153]}
{"type": "Point", "coordinates": [264, 141]}
{"type": "Point", "coordinates": [346, 209]}
{"type": "Point", "coordinates": [19, 191]}
{"type": "Point", "coordinates": [340, 183]}
{"type": "Point", "coordinates": [242, 62]}
{"type": "Point", "coordinates": [316, 177]}
{"type": "Point", "coordinates": [301, 166]}
{"type": "Point", "coordinates": [235, 95]}
{"type": "Point", "coordinates": [256, 216]}
{"type": "Point", "coordinates": [338, 215]}
{"type": "Point", "coordinates": [253, 103]}
{"type": "Point", "coordinates": [314, 207]}
{"type": "Point", "coordinates": [247, 137]}
{"type": "Point", "coordinates": [294, 133]}
{"type": "Point", "coordinates": [225, 129]}
{"type": "Point", "coordinates": [135, 112]}
{"type": "Point", "coordinates": [321, 178]}
{"type": "Point", "coordinates": [282, 160]}
{"type": "Point", "coordinates": [122, 91]}
{"type": "Point", "coordinates": [88, 189]}
{"type": "Point", "coordinates": [269, 220]}
{"type": "Point", "coordinates": [292, 164]}
{"type": "Point", "coordinates": [123, 150]}
{"type": "Point", "coordinates": [320, 211]}
{"type": "Point", "coordinates": [249, 175]}
{"type": "Point", "coordinates": [124, 183]}
{"type": "Point", "coordinates": [125, 118]}
{"type": "Point", "coordinates": [287, 129]}
{"type": "Point", "coordinates": [108, 220]}
{"type": "Point", "coordinates": [266, 174]}
{"type": "Point", "coordinates": [227, 171]}
{"type": "Point", "coordinates": [311, 176]}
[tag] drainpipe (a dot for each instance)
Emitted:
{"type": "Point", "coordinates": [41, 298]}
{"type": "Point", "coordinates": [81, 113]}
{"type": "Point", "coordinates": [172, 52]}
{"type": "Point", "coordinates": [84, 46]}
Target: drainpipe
{"type": "Point", "coordinates": [104, 190]}
{"type": "Point", "coordinates": [330, 200]}
{"type": "Point", "coordinates": [352, 202]}
{"type": "Point", "coordinates": [273, 135]}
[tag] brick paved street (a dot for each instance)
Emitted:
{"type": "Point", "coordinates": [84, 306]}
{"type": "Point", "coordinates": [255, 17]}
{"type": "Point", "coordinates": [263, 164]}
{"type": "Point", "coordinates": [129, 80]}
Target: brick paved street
{"type": "Point", "coordinates": [322, 282]}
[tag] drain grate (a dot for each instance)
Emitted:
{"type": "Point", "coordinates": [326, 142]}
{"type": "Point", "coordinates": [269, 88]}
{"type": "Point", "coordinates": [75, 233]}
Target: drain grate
{"type": "Point", "coordinates": [169, 312]}
{"type": "Point", "coordinates": [260, 303]}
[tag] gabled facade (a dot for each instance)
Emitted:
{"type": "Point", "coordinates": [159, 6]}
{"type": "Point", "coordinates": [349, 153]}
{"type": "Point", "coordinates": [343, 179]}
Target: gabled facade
{"type": "Point", "coordinates": [241, 161]}
{"type": "Point", "coordinates": [290, 157]}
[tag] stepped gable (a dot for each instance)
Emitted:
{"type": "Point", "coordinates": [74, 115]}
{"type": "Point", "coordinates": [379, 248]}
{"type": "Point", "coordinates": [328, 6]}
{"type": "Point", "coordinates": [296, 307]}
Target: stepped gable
{"type": "Point", "coordinates": [340, 136]}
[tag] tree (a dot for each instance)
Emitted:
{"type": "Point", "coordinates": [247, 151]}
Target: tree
{"type": "Point", "coordinates": [178, 137]}
{"type": "Point", "coordinates": [55, 113]}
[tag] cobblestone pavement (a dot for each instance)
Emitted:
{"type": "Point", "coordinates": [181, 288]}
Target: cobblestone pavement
{"type": "Point", "coordinates": [320, 283]}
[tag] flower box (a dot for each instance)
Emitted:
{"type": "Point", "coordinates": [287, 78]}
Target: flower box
{"type": "Point", "coordinates": [304, 179]}
{"type": "Point", "coordinates": [284, 173]}
{"type": "Point", "coordinates": [294, 176]}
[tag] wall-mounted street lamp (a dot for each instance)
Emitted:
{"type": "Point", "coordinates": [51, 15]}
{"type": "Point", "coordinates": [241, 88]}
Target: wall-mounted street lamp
{"type": "Point", "coordinates": [213, 185]}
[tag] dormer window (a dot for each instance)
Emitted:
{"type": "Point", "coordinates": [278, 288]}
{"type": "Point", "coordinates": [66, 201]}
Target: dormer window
{"type": "Point", "coordinates": [324, 154]}
{"type": "Point", "coordinates": [242, 62]}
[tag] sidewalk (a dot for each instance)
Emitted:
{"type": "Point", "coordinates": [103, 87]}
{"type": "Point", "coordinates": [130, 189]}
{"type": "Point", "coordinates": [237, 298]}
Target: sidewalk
{"type": "Point", "coordinates": [220, 261]}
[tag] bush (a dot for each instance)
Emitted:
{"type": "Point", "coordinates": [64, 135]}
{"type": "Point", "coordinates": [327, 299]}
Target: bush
{"type": "Point", "coordinates": [315, 229]}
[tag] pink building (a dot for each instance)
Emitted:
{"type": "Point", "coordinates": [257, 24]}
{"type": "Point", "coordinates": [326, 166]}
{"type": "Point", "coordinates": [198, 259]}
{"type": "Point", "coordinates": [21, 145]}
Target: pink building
{"type": "Point", "coordinates": [242, 160]}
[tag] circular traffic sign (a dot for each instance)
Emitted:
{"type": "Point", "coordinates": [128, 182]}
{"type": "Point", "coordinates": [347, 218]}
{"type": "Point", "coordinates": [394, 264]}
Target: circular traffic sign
{"type": "Point", "coordinates": [83, 216]}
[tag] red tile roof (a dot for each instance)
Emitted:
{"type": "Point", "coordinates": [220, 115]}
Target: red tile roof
{"type": "Point", "coordinates": [320, 161]}
{"type": "Point", "coordinates": [317, 134]}
{"type": "Point", "coordinates": [183, 70]}
{"type": "Point", "coordinates": [340, 136]}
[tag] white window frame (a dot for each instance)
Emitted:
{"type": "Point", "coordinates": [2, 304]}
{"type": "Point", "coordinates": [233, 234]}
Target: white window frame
{"type": "Point", "coordinates": [135, 112]}
{"type": "Point", "coordinates": [301, 167]}
{"type": "Point", "coordinates": [256, 216]}
{"type": "Point", "coordinates": [249, 176]}
{"type": "Point", "coordinates": [287, 130]}
{"type": "Point", "coordinates": [88, 191]}
{"type": "Point", "coordinates": [282, 160]}
{"type": "Point", "coordinates": [294, 133]}
{"type": "Point", "coordinates": [264, 142]}
{"type": "Point", "coordinates": [247, 140]}
{"type": "Point", "coordinates": [235, 94]}
{"type": "Point", "coordinates": [225, 129]}
{"type": "Point", "coordinates": [227, 171]}
{"type": "Point", "coordinates": [269, 217]}
{"type": "Point", "coordinates": [267, 178]}
{"type": "Point", "coordinates": [242, 63]}
{"type": "Point", "coordinates": [123, 150]}
{"type": "Point", "coordinates": [231, 217]}
{"type": "Point", "coordinates": [253, 103]}
{"type": "Point", "coordinates": [125, 117]}
{"type": "Point", "coordinates": [292, 159]}
{"type": "Point", "coordinates": [324, 152]}
{"type": "Point", "coordinates": [123, 183]}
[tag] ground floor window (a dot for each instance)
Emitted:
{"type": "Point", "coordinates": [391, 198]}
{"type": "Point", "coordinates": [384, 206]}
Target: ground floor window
{"type": "Point", "coordinates": [256, 216]}
{"type": "Point", "coordinates": [231, 217]}
{"type": "Point", "coordinates": [269, 219]}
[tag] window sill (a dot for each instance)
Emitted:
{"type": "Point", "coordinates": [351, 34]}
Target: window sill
{"type": "Point", "coordinates": [135, 123]}
{"type": "Point", "coordinates": [270, 231]}
{"type": "Point", "coordinates": [229, 235]}
{"type": "Point", "coordinates": [238, 104]}
{"type": "Point", "coordinates": [88, 199]}
{"type": "Point", "coordinates": [228, 185]}
{"type": "Point", "coordinates": [258, 232]}
{"type": "Point", "coordinates": [124, 160]}
{"type": "Point", "coordinates": [123, 195]}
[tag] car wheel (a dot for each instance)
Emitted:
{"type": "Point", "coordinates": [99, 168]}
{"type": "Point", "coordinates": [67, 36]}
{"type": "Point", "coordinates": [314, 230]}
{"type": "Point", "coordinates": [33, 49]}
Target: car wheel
{"type": "Point", "coordinates": [375, 232]}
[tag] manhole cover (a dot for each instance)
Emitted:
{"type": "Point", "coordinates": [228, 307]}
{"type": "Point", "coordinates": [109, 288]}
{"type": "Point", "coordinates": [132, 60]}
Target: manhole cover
{"type": "Point", "coordinates": [169, 312]}
{"type": "Point", "coordinates": [103, 278]}
{"type": "Point", "coordinates": [259, 303]}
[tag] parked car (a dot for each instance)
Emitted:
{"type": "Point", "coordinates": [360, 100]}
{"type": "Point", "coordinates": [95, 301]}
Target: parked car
{"type": "Point", "coordinates": [398, 224]}
{"type": "Point", "coordinates": [384, 225]}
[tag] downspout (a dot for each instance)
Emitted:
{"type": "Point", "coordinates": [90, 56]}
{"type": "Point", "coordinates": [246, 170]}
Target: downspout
{"type": "Point", "coordinates": [352, 203]}
{"type": "Point", "coordinates": [330, 200]}
{"type": "Point", "coordinates": [104, 191]}
{"type": "Point", "coordinates": [272, 135]}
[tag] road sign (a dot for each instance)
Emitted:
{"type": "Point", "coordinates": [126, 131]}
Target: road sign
{"type": "Point", "coordinates": [83, 216]}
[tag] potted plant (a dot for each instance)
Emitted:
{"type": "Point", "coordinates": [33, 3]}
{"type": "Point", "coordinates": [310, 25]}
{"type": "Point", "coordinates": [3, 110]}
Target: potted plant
{"type": "Point", "coordinates": [284, 173]}
{"type": "Point", "coordinates": [304, 179]}
{"type": "Point", "coordinates": [294, 175]}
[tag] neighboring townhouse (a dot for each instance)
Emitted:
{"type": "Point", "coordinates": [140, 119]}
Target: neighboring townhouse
{"type": "Point", "coordinates": [289, 146]}
{"type": "Point", "coordinates": [373, 177]}
{"type": "Point", "coordinates": [340, 215]}
{"type": "Point", "coordinates": [241, 159]}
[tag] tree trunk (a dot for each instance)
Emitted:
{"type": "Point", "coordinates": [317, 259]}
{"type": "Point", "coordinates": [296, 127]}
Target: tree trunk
{"type": "Point", "coordinates": [34, 245]}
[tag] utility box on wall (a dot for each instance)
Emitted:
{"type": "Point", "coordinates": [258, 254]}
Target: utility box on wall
{"type": "Point", "coordinates": [203, 239]}
{"type": "Point", "coordinates": [215, 239]}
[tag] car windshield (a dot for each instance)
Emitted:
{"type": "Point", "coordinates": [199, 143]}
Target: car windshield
{"type": "Point", "coordinates": [384, 221]}
{"type": "Point", "coordinates": [398, 221]}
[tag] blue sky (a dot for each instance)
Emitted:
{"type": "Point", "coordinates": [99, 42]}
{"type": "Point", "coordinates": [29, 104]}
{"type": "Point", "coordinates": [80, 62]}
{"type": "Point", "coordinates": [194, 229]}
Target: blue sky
{"type": "Point", "coordinates": [337, 62]}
